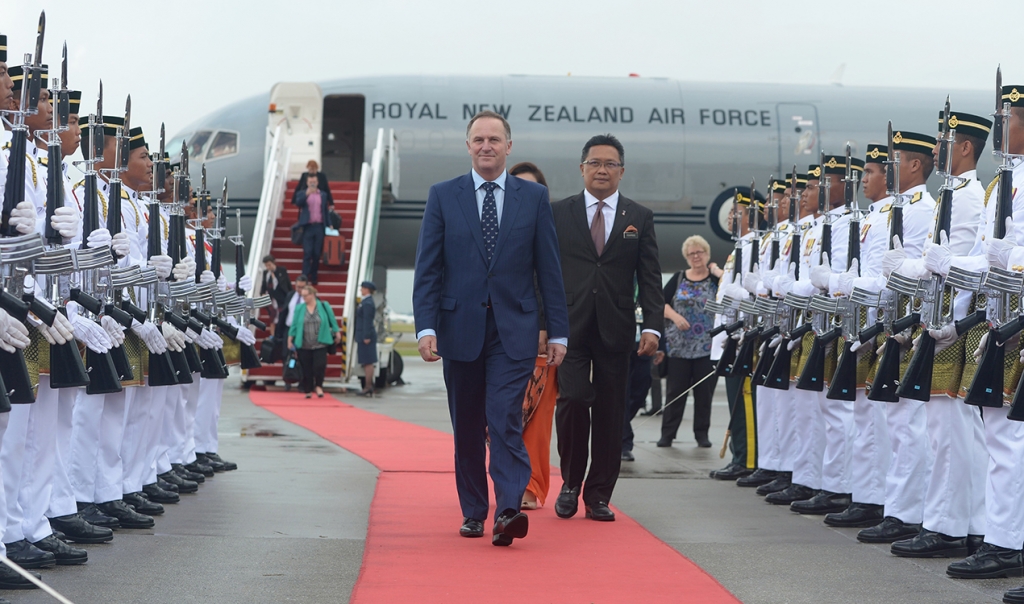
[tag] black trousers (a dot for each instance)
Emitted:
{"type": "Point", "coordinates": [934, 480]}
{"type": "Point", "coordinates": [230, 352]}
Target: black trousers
{"type": "Point", "coordinates": [682, 374]}
{"type": "Point", "coordinates": [655, 387]}
{"type": "Point", "coordinates": [314, 366]}
{"type": "Point", "coordinates": [738, 441]}
{"type": "Point", "coordinates": [591, 413]}
{"type": "Point", "coordinates": [312, 247]}
{"type": "Point", "coordinates": [639, 384]}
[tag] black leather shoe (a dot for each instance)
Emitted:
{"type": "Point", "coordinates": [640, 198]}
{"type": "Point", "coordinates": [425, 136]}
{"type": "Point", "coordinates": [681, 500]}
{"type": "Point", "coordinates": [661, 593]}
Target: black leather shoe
{"type": "Point", "coordinates": [203, 459]}
{"type": "Point", "coordinates": [628, 456]}
{"type": "Point", "coordinates": [600, 512]}
{"type": "Point", "coordinates": [28, 555]}
{"type": "Point", "coordinates": [823, 503]}
{"type": "Point", "coordinates": [62, 552]}
{"type": "Point", "coordinates": [759, 477]}
{"type": "Point", "coordinates": [649, 412]}
{"type": "Point", "coordinates": [857, 515]}
{"type": "Point", "coordinates": [128, 517]}
{"type": "Point", "coordinates": [929, 544]}
{"type": "Point", "coordinates": [974, 543]}
{"type": "Point", "coordinates": [471, 528]}
{"type": "Point", "coordinates": [228, 465]}
{"type": "Point", "coordinates": [779, 484]}
{"type": "Point", "coordinates": [732, 472]}
{"type": "Point", "coordinates": [989, 562]}
{"type": "Point", "coordinates": [180, 470]}
{"type": "Point", "coordinates": [794, 492]}
{"type": "Point", "coordinates": [665, 442]}
{"type": "Point", "coordinates": [12, 580]}
{"type": "Point", "coordinates": [1014, 596]}
{"type": "Point", "coordinates": [508, 526]}
{"type": "Point", "coordinates": [199, 468]}
{"type": "Point", "coordinates": [888, 531]}
{"type": "Point", "coordinates": [183, 486]}
{"type": "Point", "coordinates": [155, 493]}
{"type": "Point", "coordinates": [92, 514]}
{"type": "Point", "coordinates": [702, 441]}
{"type": "Point", "coordinates": [167, 486]}
{"type": "Point", "coordinates": [568, 502]}
{"type": "Point", "coordinates": [142, 505]}
{"type": "Point", "coordinates": [76, 529]}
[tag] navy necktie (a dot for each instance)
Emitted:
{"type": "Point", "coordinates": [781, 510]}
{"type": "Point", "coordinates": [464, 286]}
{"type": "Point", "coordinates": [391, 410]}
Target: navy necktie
{"type": "Point", "coordinates": [489, 219]}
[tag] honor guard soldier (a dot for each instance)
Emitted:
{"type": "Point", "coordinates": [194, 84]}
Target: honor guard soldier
{"type": "Point", "coordinates": [954, 506]}
{"type": "Point", "coordinates": [870, 452]}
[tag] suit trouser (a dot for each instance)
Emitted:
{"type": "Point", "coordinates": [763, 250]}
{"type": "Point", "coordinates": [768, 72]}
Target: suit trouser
{"type": "Point", "coordinates": [838, 452]}
{"type": "Point", "coordinates": [910, 464]}
{"type": "Point", "coordinates": [208, 415]}
{"type": "Point", "coordinates": [186, 450]}
{"type": "Point", "coordinates": [591, 411]}
{"type": "Point", "coordinates": [28, 482]}
{"type": "Point", "coordinates": [656, 388]}
{"type": "Point", "coordinates": [871, 451]}
{"type": "Point", "coordinates": [62, 494]}
{"type": "Point", "coordinates": [487, 394]}
{"type": "Point", "coordinates": [1004, 485]}
{"type": "Point", "coordinates": [738, 430]}
{"type": "Point", "coordinates": [138, 448]}
{"type": "Point", "coordinates": [955, 492]}
{"type": "Point", "coordinates": [639, 384]}
{"type": "Point", "coordinates": [97, 430]}
{"type": "Point", "coordinates": [171, 428]}
{"type": "Point", "coordinates": [683, 374]}
{"type": "Point", "coordinates": [808, 437]}
{"type": "Point", "coordinates": [312, 247]}
{"type": "Point", "coordinates": [786, 425]}
{"type": "Point", "coordinates": [768, 456]}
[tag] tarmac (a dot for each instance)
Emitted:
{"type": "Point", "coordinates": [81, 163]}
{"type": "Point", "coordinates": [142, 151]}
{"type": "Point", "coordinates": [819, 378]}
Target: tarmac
{"type": "Point", "coordinates": [290, 524]}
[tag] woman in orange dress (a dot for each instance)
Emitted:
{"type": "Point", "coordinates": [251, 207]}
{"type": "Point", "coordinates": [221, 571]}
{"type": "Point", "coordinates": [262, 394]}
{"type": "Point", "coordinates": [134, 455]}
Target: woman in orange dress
{"type": "Point", "coordinates": [539, 402]}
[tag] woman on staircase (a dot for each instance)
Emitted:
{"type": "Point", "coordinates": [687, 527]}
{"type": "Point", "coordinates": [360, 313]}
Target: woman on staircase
{"type": "Point", "coordinates": [315, 204]}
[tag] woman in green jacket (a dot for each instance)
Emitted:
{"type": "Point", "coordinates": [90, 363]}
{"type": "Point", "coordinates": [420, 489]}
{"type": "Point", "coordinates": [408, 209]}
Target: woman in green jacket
{"type": "Point", "coordinates": [313, 329]}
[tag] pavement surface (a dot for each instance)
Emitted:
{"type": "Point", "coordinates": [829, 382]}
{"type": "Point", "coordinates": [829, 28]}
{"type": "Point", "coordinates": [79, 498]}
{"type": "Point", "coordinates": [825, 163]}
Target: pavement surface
{"type": "Point", "coordinates": [290, 524]}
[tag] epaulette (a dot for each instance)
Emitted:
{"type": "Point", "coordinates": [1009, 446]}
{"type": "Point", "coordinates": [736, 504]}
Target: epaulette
{"type": "Point", "coordinates": [44, 160]}
{"type": "Point", "coordinates": [917, 197]}
{"type": "Point", "coordinates": [766, 238]}
{"type": "Point", "coordinates": [124, 194]}
{"type": "Point", "coordinates": [6, 146]}
{"type": "Point", "coordinates": [783, 227]}
{"type": "Point", "coordinates": [991, 187]}
{"type": "Point", "coordinates": [962, 185]}
{"type": "Point", "coordinates": [886, 208]}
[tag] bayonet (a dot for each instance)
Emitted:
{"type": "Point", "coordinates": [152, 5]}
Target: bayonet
{"type": "Point", "coordinates": [997, 115]}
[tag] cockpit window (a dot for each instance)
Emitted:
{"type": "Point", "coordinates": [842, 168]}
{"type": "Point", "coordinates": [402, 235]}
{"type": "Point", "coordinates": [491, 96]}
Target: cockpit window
{"type": "Point", "coordinates": [197, 142]}
{"type": "Point", "coordinates": [224, 144]}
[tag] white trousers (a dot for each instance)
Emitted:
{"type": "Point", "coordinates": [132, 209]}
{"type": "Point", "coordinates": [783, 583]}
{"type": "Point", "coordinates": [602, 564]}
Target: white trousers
{"type": "Point", "coordinates": [808, 436]}
{"type": "Point", "coordinates": [767, 435]}
{"type": "Point", "coordinates": [838, 453]}
{"type": "Point", "coordinates": [186, 452]}
{"type": "Point", "coordinates": [62, 494]}
{"type": "Point", "coordinates": [171, 426]}
{"type": "Point", "coordinates": [151, 446]}
{"type": "Point", "coordinates": [4, 419]}
{"type": "Point", "coordinates": [208, 414]}
{"type": "Point", "coordinates": [785, 420]}
{"type": "Point", "coordinates": [871, 450]}
{"type": "Point", "coordinates": [955, 496]}
{"type": "Point", "coordinates": [142, 412]}
{"type": "Point", "coordinates": [910, 465]}
{"type": "Point", "coordinates": [97, 435]}
{"type": "Point", "coordinates": [31, 482]}
{"type": "Point", "coordinates": [1004, 488]}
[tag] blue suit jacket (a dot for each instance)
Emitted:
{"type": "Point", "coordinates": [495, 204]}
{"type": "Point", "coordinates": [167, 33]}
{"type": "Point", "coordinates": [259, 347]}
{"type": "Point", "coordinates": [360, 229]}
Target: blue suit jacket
{"type": "Point", "coordinates": [454, 282]}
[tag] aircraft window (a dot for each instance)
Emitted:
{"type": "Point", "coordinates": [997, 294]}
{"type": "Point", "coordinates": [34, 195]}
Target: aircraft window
{"type": "Point", "coordinates": [197, 142]}
{"type": "Point", "coordinates": [224, 144]}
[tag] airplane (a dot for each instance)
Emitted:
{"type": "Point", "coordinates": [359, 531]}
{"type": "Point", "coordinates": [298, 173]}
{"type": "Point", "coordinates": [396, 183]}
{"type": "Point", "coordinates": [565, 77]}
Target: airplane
{"type": "Point", "coordinates": [689, 146]}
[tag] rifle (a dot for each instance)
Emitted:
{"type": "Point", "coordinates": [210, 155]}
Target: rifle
{"type": "Point", "coordinates": [175, 295]}
{"type": "Point", "coordinates": [724, 365]}
{"type": "Point", "coordinates": [14, 191]}
{"type": "Point", "coordinates": [250, 359]}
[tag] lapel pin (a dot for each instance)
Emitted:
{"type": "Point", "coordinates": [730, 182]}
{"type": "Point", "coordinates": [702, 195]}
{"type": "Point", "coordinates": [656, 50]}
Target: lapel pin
{"type": "Point", "coordinates": [623, 212]}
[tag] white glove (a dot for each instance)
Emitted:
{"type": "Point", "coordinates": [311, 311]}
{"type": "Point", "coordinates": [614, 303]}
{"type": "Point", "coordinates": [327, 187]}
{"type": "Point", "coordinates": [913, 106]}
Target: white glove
{"type": "Point", "coordinates": [903, 341]}
{"type": "Point", "coordinates": [162, 264]}
{"type": "Point", "coordinates": [769, 276]}
{"type": "Point", "coordinates": [736, 292]}
{"type": "Point", "coordinates": [207, 277]}
{"type": "Point", "coordinates": [998, 253]}
{"type": "Point", "coordinates": [216, 341]}
{"type": "Point", "coordinates": [62, 327]}
{"type": "Point", "coordinates": [980, 350]}
{"type": "Point", "coordinates": [202, 341]}
{"type": "Point", "coordinates": [91, 334]}
{"type": "Point", "coordinates": [16, 333]}
{"type": "Point", "coordinates": [862, 347]}
{"type": "Point", "coordinates": [114, 330]}
{"type": "Point", "coordinates": [66, 221]}
{"type": "Point", "coordinates": [775, 342]}
{"type": "Point", "coordinates": [937, 258]}
{"type": "Point", "coordinates": [174, 338]}
{"type": "Point", "coordinates": [245, 336]}
{"type": "Point", "coordinates": [794, 343]}
{"type": "Point", "coordinates": [846, 279]}
{"type": "Point", "coordinates": [23, 217]}
{"type": "Point", "coordinates": [944, 338]}
{"type": "Point", "coordinates": [892, 259]}
{"type": "Point", "coordinates": [190, 336]}
{"type": "Point", "coordinates": [245, 283]}
{"type": "Point", "coordinates": [181, 271]}
{"type": "Point", "coordinates": [821, 273]}
{"type": "Point", "coordinates": [150, 336]}
{"type": "Point", "coordinates": [222, 283]}
{"type": "Point", "coordinates": [750, 281]}
{"type": "Point", "coordinates": [5, 321]}
{"type": "Point", "coordinates": [119, 243]}
{"type": "Point", "coordinates": [784, 283]}
{"type": "Point", "coordinates": [869, 284]}
{"type": "Point", "coordinates": [98, 238]}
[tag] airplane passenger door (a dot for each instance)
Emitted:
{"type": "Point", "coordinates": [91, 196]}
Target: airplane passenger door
{"type": "Point", "coordinates": [798, 135]}
{"type": "Point", "coordinates": [343, 133]}
{"type": "Point", "coordinates": [297, 108]}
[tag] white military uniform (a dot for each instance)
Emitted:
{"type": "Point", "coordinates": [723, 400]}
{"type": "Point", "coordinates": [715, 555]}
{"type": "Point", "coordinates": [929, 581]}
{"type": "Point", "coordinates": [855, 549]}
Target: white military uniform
{"type": "Point", "coordinates": [768, 445]}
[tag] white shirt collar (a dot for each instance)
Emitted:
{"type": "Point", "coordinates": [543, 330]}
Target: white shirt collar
{"type": "Point", "coordinates": [612, 201]}
{"type": "Point", "coordinates": [478, 181]}
{"type": "Point", "coordinates": [969, 175]}
{"type": "Point", "coordinates": [878, 205]}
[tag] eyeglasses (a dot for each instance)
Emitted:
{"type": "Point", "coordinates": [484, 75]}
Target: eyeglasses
{"type": "Point", "coordinates": [611, 165]}
{"type": "Point", "coordinates": [696, 254]}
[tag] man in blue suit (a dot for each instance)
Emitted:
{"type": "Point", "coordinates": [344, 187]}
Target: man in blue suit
{"type": "Point", "coordinates": [485, 235]}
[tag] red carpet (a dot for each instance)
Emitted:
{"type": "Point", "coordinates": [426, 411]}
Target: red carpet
{"type": "Point", "coordinates": [409, 560]}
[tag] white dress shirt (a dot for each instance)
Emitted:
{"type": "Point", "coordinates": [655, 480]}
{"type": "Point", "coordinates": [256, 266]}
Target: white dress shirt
{"type": "Point", "coordinates": [499, 193]}
{"type": "Point", "coordinates": [610, 204]}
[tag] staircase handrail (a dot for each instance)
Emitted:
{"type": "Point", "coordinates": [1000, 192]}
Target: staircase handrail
{"type": "Point", "coordinates": [275, 181]}
{"type": "Point", "coordinates": [354, 259]}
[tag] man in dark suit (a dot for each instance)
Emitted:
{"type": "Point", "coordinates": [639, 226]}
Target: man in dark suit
{"type": "Point", "coordinates": [610, 265]}
{"type": "Point", "coordinates": [484, 237]}
{"type": "Point", "coordinates": [279, 286]}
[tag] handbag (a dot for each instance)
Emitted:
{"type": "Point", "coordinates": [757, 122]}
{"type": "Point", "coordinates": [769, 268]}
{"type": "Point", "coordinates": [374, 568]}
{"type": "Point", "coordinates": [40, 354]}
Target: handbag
{"type": "Point", "coordinates": [333, 219]}
{"type": "Point", "coordinates": [297, 232]}
{"type": "Point", "coordinates": [292, 369]}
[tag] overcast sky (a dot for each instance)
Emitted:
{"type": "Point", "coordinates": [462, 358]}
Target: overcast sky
{"type": "Point", "coordinates": [185, 58]}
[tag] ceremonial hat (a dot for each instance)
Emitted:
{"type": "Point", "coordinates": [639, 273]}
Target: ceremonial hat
{"type": "Point", "coordinates": [74, 101]}
{"type": "Point", "coordinates": [778, 186]}
{"type": "Point", "coordinates": [877, 154]}
{"type": "Point", "coordinates": [17, 74]}
{"type": "Point", "coordinates": [110, 125]}
{"type": "Point", "coordinates": [136, 139]}
{"type": "Point", "coordinates": [965, 123]}
{"type": "Point", "coordinates": [801, 180]}
{"type": "Point", "coordinates": [368, 285]}
{"type": "Point", "coordinates": [744, 200]}
{"type": "Point", "coordinates": [1014, 94]}
{"type": "Point", "coordinates": [813, 172]}
{"type": "Point", "coordinates": [3, 48]}
{"type": "Point", "coordinates": [836, 164]}
{"type": "Point", "coordinates": [916, 142]}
